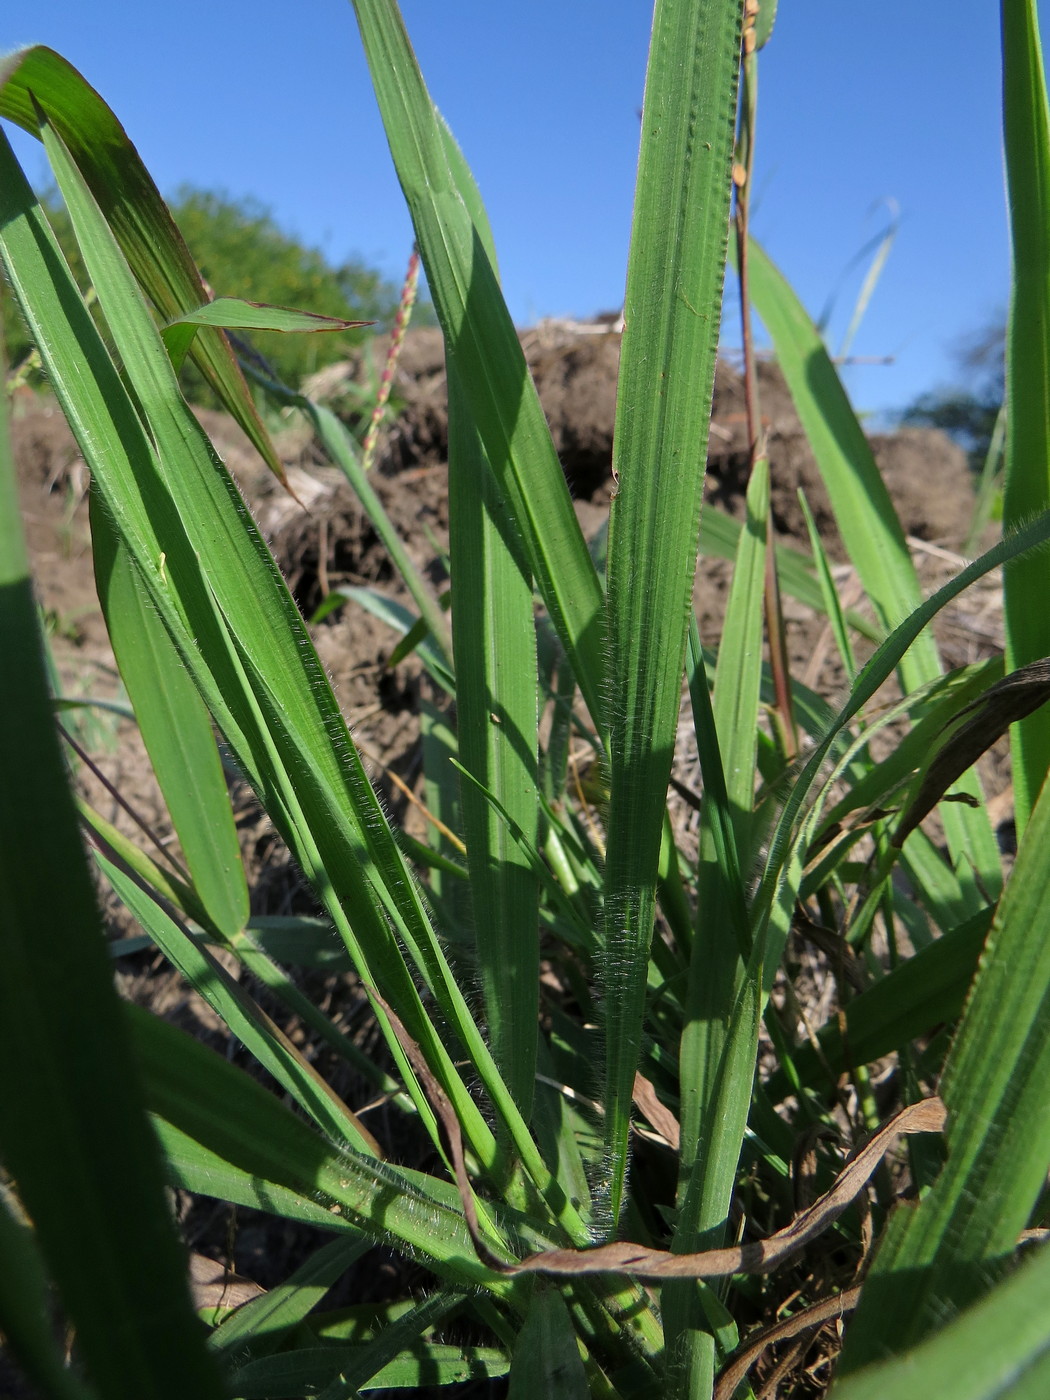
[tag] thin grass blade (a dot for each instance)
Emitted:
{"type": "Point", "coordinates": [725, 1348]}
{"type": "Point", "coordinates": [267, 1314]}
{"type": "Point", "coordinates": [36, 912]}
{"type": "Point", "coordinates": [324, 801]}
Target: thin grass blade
{"type": "Point", "coordinates": [870, 530]}
{"type": "Point", "coordinates": [708, 1161]}
{"type": "Point", "coordinates": [1026, 488]}
{"type": "Point", "coordinates": [262, 1325]}
{"type": "Point", "coordinates": [497, 713]}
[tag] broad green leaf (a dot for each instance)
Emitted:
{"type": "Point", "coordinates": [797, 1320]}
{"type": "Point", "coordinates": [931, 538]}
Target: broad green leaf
{"type": "Point", "coordinates": [1026, 489]}
{"type": "Point", "coordinates": [73, 1133]}
{"type": "Point", "coordinates": [546, 1357]}
{"type": "Point", "coordinates": [672, 312]}
{"type": "Point", "coordinates": [136, 212]}
{"type": "Point", "coordinates": [941, 1256]}
{"type": "Point", "coordinates": [482, 344]}
{"type": "Point", "coordinates": [999, 1349]}
{"type": "Point", "coordinates": [258, 1328]}
{"type": "Point", "coordinates": [176, 730]}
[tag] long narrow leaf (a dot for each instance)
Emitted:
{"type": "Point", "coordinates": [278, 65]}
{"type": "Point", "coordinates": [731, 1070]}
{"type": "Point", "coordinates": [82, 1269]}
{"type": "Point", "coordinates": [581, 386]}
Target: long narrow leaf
{"type": "Point", "coordinates": [73, 1132]}
{"type": "Point", "coordinates": [1026, 488]}
{"type": "Point", "coordinates": [674, 295]}
{"type": "Point", "coordinates": [941, 1256]}
{"type": "Point", "coordinates": [480, 340]}
{"type": "Point", "coordinates": [176, 730]}
{"type": "Point", "coordinates": [870, 530]}
{"type": "Point", "coordinates": [137, 213]}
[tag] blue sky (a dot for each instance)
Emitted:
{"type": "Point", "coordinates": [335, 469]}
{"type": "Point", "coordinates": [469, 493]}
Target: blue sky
{"type": "Point", "coordinates": [858, 105]}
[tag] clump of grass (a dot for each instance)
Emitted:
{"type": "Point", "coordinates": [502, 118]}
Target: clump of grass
{"type": "Point", "coordinates": [595, 1255]}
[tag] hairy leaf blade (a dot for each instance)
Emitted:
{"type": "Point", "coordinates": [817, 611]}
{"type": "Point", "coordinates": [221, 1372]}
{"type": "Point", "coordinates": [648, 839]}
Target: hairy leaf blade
{"type": "Point", "coordinates": [674, 292]}
{"type": "Point", "coordinates": [1026, 489]}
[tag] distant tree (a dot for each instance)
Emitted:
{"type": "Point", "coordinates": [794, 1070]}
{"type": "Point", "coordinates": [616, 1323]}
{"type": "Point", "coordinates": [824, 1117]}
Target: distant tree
{"type": "Point", "coordinates": [243, 252]}
{"type": "Point", "coordinates": [967, 411]}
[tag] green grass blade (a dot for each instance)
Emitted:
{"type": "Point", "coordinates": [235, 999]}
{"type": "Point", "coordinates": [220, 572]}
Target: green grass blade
{"type": "Point", "coordinates": [997, 1350]}
{"type": "Point", "coordinates": [176, 730]}
{"type": "Point", "coordinates": [546, 1358]}
{"type": "Point", "coordinates": [716, 1084]}
{"type": "Point", "coordinates": [482, 343]}
{"type": "Point", "coordinates": [720, 538]}
{"type": "Point", "coordinates": [1026, 489]}
{"type": "Point", "coordinates": [73, 1132]}
{"type": "Point", "coordinates": [256, 1032]}
{"type": "Point", "coordinates": [941, 1256]}
{"type": "Point", "coordinates": [398, 1358]}
{"type": "Point", "coordinates": [795, 827]}
{"type": "Point", "coordinates": [832, 604]}
{"type": "Point", "coordinates": [672, 311]}
{"type": "Point", "coordinates": [869, 527]}
{"type": "Point", "coordinates": [138, 215]}
{"type": "Point", "coordinates": [236, 1141]}
{"type": "Point", "coordinates": [367, 1363]}
{"type": "Point", "coordinates": [24, 1311]}
{"type": "Point", "coordinates": [233, 313]}
{"type": "Point", "coordinates": [738, 675]}
{"type": "Point", "coordinates": [340, 447]}
{"type": "Point", "coordinates": [261, 1326]}
{"type": "Point", "coordinates": [497, 718]}
{"type": "Point", "coordinates": [271, 699]}
{"type": "Point", "coordinates": [495, 645]}
{"type": "Point", "coordinates": [728, 766]}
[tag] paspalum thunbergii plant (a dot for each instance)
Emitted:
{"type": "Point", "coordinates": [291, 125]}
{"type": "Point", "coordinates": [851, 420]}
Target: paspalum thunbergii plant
{"type": "Point", "coordinates": [559, 1256]}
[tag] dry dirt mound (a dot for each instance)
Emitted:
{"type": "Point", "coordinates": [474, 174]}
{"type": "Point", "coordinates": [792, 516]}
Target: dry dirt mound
{"type": "Point", "coordinates": [332, 542]}
{"type": "Point", "coordinates": [575, 369]}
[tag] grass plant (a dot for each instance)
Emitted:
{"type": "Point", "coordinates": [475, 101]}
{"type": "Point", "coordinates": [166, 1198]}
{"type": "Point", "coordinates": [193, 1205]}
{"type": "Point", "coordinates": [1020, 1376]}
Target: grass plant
{"type": "Point", "coordinates": [613, 1208]}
